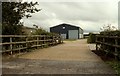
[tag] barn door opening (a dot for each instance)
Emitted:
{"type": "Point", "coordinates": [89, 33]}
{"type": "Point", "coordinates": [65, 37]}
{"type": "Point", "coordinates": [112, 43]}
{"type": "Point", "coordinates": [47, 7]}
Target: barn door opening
{"type": "Point", "coordinates": [73, 34]}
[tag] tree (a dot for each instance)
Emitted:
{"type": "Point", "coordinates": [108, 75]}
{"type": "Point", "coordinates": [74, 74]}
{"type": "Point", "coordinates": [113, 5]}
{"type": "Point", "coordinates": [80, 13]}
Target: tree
{"type": "Point", "coordinates": [12, 13]}
{"type": "Point", "coordinates": [91, 38]}
{"type": "Point", "coordinates": [40, 31]}
{"type": "Point", "coordinates": [108, 28]}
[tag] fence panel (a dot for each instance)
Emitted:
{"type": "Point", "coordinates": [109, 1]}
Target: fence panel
{"type": "Point", "coordinates": [109, 44]}
{"type": "Point", "coordinates": [16, 43]}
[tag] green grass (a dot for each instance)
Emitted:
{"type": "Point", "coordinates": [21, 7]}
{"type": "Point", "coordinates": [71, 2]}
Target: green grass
{"type": "Point", "coordinates": [115, 65]}
{"type": "Point", "coordinates": [70, 40]}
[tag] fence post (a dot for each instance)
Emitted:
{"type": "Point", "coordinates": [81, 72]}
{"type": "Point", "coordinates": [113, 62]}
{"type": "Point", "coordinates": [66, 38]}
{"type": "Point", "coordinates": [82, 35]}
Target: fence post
{"type": "Point", "coordinates": [44, 40]}
{"type": "Point", "coordinates": [26, 42]}
{"type": "Point", "coordinates": [47, 41]}
{"type": "Point", "coordinates": [37, 41]}
{"type": "Point", "coordinates": [53, 40]}
{"type": "Point", "coordinates": [41, 42]}
{"type": "Point", "coordinates": [59, 39]}
{"type": "Point", "coordinates": [96, 44]}
{"type": "Point", "coordinates": [116, 49]}
{"type": "Point", "coordinates": [103, 43]}
{"type": "Point", "coordinates": [11, 47]}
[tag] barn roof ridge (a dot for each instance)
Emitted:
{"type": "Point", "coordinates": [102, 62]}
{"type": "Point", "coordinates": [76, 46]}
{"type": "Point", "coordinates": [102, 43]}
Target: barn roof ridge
{"type": "Point", "coordinates": [65, 24]}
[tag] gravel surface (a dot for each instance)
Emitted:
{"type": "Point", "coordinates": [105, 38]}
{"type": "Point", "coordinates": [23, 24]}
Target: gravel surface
{"type": "Point", "coordinates": [72, 57]}
{"type": "Point", "coordinates": [70, 50]}
{"type": "Point", "coordinates": [25, 66]}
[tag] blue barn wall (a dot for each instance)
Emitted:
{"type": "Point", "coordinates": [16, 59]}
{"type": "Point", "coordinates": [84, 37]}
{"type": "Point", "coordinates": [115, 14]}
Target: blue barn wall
{"type": "Point", "coordinates": [60, 30]}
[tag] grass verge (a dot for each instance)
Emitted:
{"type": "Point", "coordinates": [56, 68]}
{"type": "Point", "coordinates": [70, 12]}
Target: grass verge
{"type": "Point", "coordinates": [110, 60]}
{"type": "Point", "coordinates": [115, 65]}
{"type": "Point", "coordinates": [70, 40]}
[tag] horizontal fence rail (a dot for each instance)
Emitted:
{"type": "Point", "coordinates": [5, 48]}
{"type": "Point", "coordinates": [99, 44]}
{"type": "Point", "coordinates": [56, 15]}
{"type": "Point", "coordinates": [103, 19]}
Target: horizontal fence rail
{"type": "Point", "coordinates": [18, 43]}
{"type": "Point", "coordinates": [109, 44]}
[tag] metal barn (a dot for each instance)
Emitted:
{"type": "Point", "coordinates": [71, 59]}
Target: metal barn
{"type": "Point", "coordinates": [68, 31]}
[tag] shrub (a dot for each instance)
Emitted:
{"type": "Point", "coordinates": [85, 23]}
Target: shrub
{"type": "Point", "coordinates": [111, 41]}
{"type": "Point", "coordinates": [91, 38]}
{"type": "Point", "coordinates": [110, 33]}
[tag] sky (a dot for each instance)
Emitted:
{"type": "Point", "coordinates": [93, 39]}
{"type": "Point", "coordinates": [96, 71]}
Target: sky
{"type": "Point", "coordinates": [90, 15]}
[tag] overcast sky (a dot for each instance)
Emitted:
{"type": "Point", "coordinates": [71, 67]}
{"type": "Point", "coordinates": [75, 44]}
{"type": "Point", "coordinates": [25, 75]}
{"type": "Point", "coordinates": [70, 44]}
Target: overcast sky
{"type": "Point", "coordinates": [90, 15]}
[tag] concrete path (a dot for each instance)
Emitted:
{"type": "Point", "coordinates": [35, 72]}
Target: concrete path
{"type": "Point", "coordinates": [72, 57]}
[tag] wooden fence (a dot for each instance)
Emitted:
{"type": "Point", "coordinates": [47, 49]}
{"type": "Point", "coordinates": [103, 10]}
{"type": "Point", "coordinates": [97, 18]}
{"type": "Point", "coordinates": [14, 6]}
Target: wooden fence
{"type": "Point", "coordinates": [19, 43]}
{"type": "Point", "coordinates": [110, 44]}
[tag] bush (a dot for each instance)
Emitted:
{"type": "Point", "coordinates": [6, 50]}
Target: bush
{"type": "Point", "coordinates": [110, 33]}
{"type": "Point", "coordinates": [110, 41]}
{"type": "Point", "coordinates": [91, 38]}
{"type": "Point", "coordinates": [41, 31]}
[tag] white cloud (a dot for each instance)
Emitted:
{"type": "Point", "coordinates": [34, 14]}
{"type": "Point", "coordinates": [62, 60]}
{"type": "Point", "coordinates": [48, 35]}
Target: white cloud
{"type": "Point", "coordinates": [88, 15]}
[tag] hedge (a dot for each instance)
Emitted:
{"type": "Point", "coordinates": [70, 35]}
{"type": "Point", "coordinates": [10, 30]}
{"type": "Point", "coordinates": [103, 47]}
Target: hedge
{"type": "Point", "coordinates": [91, 38]}
{"type": "Point", "coordinates": [110, 33]}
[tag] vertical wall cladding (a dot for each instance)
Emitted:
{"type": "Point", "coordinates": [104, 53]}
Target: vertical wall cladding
{"type": "Point", "coordinates": [64, 29]}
